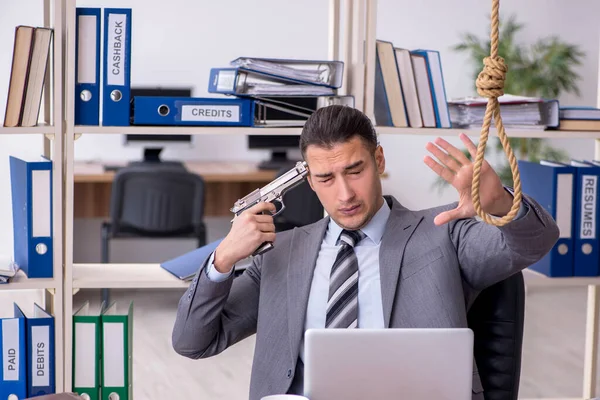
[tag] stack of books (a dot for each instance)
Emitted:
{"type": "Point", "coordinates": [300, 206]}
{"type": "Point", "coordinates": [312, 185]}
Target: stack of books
{"type": "Point", "coordinates": [517, 112]}
{"type": "Point", "coordinates": [28, 71]}
{"type": "Point", "coordinates": [579, 119]}
{"type": "Point", "coordinates": [409, 88]}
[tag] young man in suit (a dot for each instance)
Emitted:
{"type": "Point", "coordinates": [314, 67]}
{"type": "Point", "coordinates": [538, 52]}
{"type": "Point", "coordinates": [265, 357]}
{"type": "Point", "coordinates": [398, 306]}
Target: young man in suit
{"type": "Point", "coordinates": [371, 263]}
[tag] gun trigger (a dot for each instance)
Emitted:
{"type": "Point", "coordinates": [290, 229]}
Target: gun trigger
{"type": "Point", "coordinates": [280, 210]}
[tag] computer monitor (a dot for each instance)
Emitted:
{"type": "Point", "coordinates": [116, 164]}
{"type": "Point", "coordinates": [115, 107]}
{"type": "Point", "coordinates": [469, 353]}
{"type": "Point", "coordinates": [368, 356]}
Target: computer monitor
{"type": "Point", "coordinates": [279, 146]}
{"type": "Point", "coordinates": [154, 144]}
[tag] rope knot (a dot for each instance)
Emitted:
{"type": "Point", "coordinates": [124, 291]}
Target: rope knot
{"type": "Point", "coordinates": [490, 81]}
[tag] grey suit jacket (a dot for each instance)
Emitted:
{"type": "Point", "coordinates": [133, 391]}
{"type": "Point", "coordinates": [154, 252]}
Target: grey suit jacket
{"type": "Point", "coordinates": [430, 276]}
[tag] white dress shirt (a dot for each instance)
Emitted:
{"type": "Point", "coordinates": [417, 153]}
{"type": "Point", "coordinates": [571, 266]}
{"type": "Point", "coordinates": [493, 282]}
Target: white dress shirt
{"type": "Point", "coordinates": [370, 305]}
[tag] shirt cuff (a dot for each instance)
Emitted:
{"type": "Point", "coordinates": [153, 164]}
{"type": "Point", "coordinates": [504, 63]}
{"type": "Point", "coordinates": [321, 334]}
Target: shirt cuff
{"type": "Point", "coordinates": [523, 208]}
{"type": "Point", "coordinates": [212, 272]}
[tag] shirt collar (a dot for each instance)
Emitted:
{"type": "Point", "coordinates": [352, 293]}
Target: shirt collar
{"type": "Point", "coordinates": [374, 229]}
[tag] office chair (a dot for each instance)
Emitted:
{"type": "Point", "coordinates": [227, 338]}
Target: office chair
{"type": "Point", "coordinates": [496, 318]}
{"type": "Point", "coordinates": [302, 206]}
{"type": "Point", "coordinates": [154, 201]}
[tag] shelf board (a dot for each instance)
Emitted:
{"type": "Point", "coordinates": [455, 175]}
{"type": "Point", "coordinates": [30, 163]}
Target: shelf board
{"type": "Point", "coordinates": [535, 279]}
{"type": "Point", "coordinates": [86, 276]}
{"type": "Point", "coordinates": [383, 130]}
{"type": "Point", "coordinates": [186, 130]}
{"type": "Point", "coordinates": [22, 130]}
{"type": "Point", "coordinates": [511, 133]}
{"type": "Point", "coordinates": [20, 281]}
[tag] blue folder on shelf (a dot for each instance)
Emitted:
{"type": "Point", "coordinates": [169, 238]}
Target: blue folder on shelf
{"type": "Point", "coordinates": [187, 265]}
{"type": "Point", "coordinates": [193, 111]}
{"type": "Point", "coordinates": [87, 66]}
{"type": "Point", "coordinates": [31, 186]}
{"type": "Point", "coordinates": [239, 81]}
{"type": "Point", "coordinates": [553, 186]}
{"type": "Point", "coordinates": [39, 328]}
{"type": "Point", "coordinates": [309, 72]}
{"type": "Point", "coordinates": [587, 208]}
{"type": "Point", "coordinates": [13, 344]}
{"type": "Point", "coordinates": [116, 84]}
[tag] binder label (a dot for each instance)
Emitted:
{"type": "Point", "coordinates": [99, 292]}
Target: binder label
{"type": "Point", "coordinates": [114, 354]}
{"type": "Point", "coordinates": [210, 113]}
{"type": "Point", "coordinates": [564, 204]}
{"type": "Point", "coordinates": [40, 355]}
{"type": "Point", "coordinates": [84, 375]}
{"type": "Point", "coordinates": [115, 52]}
{"type": "Point", "coordinates": [10, 349]}
{"type": "Point", "coordinates": [226, 81]}
{"type": "Point", "coordinates": [589, 192]}
{"type": "Point", "coordinates": [41, 196]}
{"type": "Point", "coordinates": [86, 46]}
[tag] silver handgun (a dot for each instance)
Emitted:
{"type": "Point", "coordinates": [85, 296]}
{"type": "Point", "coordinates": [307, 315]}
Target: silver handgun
{"type": "Point", "coordinates": [272, 192]}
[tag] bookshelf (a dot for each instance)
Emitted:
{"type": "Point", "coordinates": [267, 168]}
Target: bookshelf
{"type": "Point", "coordinates": [50, 133]}
{"type": "Point", "coordinates": [366, 81]}
{"type": "Point", "coordinates": [352, 36]}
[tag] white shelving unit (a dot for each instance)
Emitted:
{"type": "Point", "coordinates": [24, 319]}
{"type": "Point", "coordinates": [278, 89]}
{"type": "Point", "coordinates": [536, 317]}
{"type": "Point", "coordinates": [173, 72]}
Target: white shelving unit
{"type": "Point", "coordinates": [59, 135]}
{"type": "Point", "coordinates": [51, 143]}
{"type": "Point", "coordinates": [124, 276]}
{"type": "Point", "coordinates": [19, 130]}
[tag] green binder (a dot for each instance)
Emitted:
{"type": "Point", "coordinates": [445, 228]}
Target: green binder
{"type": "Point", "coordinates": [117, 346]}
{"type": "Point", "coordinates": [87, 340]}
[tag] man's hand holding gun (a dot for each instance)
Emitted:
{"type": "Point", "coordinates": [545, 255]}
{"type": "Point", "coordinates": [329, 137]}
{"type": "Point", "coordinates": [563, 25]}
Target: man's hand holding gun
{"type": "Point", "coordinates": [253, 230]}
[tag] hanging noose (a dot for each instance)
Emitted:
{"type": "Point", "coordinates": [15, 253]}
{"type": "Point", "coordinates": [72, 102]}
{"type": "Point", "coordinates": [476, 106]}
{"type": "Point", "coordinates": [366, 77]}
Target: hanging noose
{"type": "Point", "coordinates": [490, 84]}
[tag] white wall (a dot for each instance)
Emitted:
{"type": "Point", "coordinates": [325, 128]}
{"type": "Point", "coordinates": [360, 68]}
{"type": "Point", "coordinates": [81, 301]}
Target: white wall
{"type": "Point", "coordinates": [176, 48]}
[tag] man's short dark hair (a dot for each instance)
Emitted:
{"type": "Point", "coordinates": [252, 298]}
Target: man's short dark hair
{"type": "Point", "coordinates": [337, 124]}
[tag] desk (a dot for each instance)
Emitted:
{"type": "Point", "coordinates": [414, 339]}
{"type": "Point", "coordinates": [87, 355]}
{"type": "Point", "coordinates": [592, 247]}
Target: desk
{"type": "Point", "coordinates": [226, 182]}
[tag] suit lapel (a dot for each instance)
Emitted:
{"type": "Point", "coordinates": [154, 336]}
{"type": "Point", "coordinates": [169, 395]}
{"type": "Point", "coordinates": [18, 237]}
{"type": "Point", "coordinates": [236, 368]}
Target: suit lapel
{"type": "Point", "coordinates": [306, 244]}
{"type": "Point", "coordinates": [399, 228]}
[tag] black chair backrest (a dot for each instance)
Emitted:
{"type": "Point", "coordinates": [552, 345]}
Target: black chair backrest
{"type": "Point", "coordinates": [151, 200]}
{"type": "Point", "coordinates": [302, 206]}
{"type": "Point", "coordinates": [496, 318]}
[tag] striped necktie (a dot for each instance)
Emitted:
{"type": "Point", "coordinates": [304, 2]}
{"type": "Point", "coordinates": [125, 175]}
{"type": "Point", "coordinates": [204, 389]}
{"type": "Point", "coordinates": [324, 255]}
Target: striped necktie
{"type": "Point", "coordinates": [342, 306]}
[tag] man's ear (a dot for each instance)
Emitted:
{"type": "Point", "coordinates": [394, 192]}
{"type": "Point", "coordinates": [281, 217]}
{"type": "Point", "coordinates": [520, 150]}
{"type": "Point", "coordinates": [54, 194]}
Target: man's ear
{"type": "Point", "coordinates": [309, 180]}
{"type": "Point", "coordinates": [379, 159]}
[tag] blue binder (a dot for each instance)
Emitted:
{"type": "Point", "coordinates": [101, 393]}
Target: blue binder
{"type": "Point", "coordinates": [309, 72]}
{"type": "Point", "coordinates": [187, 265]}
{"type": "Point", "coordinates": [13, 380]}
{"type": "Point", "coordinates": [150, 110]}
{"type": "Point", "coordinates": [39, 331]}
{"type": "Point", "coordinates": [240, 81]}
{"type": "Point", "coordinates": [552, 185]}
{"type": "Point", "coordinates": [587, 209]}
{"type": "Point", "coordinates": [87, 66]}
{"type": "Point", "coordinates": [116, 84]}
{"type": "Point", "coordinates": [31, 186]}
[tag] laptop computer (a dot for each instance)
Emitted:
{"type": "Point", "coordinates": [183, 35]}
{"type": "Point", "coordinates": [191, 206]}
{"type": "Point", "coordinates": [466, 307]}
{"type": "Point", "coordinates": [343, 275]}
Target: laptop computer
{"type": "Point", "coordinates": [350, 364]}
